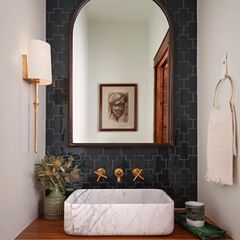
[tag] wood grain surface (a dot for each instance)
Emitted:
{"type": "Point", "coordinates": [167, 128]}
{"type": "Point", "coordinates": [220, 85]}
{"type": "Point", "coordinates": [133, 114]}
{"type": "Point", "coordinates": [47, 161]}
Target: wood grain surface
{"type": "Point", "coordinates": [45, 229]}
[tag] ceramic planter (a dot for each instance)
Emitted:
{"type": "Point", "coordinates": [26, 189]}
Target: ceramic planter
{"type": "Point", "coordinates": [53, 205]}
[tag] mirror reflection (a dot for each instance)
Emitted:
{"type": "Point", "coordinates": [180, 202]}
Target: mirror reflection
{"type": "Point", "coordinates": [119, 73]}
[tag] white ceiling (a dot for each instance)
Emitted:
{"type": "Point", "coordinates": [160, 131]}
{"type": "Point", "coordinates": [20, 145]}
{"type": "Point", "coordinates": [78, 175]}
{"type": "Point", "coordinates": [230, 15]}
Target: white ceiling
{"type": "Point", "coordinates": [120, 10]}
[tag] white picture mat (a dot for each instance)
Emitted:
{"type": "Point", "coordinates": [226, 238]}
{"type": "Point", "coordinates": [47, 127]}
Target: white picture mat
{"type": "Point", "coordinates": [106, 121]}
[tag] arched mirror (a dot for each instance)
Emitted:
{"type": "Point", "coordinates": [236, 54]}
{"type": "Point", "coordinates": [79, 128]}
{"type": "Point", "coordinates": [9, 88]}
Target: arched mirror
{"type": "Point", "coordinates": [121, 73]}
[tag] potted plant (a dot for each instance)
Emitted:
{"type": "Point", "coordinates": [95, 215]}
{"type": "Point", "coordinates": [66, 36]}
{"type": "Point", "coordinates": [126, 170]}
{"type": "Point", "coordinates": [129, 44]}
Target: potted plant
{"type": "Point", "coordinates": [55, 177]}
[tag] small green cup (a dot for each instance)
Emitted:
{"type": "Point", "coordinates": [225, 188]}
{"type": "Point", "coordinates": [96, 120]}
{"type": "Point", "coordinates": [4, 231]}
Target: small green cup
{"type": "Point", "coordinates": [195, 213]}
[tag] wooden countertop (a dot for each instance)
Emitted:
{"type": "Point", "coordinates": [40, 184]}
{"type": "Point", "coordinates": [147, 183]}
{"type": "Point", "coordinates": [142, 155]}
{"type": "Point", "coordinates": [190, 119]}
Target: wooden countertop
{"type": "Point", "coordinates": [45, 229]}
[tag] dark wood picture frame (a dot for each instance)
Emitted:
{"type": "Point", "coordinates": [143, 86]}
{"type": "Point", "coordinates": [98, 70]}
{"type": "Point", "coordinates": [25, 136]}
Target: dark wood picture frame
{"type": "Point", "coordinates": [118, 107]}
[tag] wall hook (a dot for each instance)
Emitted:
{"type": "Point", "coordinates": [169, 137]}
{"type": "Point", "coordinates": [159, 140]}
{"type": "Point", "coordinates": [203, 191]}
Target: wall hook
{"type": "Point", "coordinates": [225, 62]}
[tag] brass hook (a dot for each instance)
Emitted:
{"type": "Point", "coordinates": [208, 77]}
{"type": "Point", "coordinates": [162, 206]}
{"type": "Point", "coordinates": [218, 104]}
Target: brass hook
{"type": "Point", "coordinates": [225, 62]}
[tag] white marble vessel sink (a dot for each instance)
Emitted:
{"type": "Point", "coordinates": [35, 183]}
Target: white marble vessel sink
{"type": "Point", "coordinates": [97, 212]}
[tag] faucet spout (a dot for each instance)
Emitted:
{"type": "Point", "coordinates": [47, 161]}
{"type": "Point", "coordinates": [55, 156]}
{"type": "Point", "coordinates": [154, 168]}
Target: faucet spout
{"type": "Point", "coordinates": [118, 173]}
{"type": "Point", "coordinates": [118, 179]}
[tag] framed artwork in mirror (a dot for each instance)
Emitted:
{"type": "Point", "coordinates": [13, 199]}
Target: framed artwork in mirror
{"type": "Point", "coordinates": [118, 107]}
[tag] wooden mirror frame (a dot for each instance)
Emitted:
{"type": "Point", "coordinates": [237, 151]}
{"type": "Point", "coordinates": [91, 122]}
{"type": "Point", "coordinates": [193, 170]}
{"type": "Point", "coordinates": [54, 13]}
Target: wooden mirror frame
{"type": "Point", "coordinates": [171, 134]}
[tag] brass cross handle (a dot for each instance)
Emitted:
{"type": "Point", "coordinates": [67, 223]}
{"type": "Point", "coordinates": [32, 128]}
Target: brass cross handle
{"type": "Point", "coordinates": [101, 173]}
{"type": "Point", "coordinates": [137, 173]}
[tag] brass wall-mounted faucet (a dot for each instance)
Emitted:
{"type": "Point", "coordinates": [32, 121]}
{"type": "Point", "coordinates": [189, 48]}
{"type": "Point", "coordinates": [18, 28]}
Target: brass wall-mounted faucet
{"type": "Point", "coordinates": [101, 173]}
{"type": "Point", "coordinates": [118, 173]}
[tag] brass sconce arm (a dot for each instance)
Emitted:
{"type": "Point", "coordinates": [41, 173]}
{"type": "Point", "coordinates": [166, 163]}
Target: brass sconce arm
{"type": "Point", "coordinates": [36, 102]}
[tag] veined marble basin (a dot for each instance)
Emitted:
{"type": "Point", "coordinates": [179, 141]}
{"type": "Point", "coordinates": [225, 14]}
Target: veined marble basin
{"type": "Point", "coordinates": [97, 212]}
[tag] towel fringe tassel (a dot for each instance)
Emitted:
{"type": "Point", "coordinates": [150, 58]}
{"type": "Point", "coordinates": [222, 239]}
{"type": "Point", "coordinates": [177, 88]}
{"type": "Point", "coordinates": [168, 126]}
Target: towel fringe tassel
{"type": "Point", "coordinates": [217, 180]}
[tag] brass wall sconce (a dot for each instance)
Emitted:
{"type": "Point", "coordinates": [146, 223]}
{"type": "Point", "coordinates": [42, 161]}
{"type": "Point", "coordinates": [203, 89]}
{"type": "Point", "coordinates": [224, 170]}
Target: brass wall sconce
{"type": "Point", "coordinates": [37, 70]}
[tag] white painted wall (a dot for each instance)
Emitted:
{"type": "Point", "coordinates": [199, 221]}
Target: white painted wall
{"type": "Point", "coordinates": [218, 32]}
{"type": "Point", "coordinates": [158, 27]}
{"type": "Point", "coordinates": [19, 22]}
{"type": "Point", "coordinates": [80, 76]}
{"type": "Point", "coordinates": [118, 53]}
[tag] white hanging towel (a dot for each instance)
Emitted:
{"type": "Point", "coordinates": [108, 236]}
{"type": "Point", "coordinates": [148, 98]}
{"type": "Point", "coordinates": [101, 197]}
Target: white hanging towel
{"type": "Point", "coordinates": [221, 142]}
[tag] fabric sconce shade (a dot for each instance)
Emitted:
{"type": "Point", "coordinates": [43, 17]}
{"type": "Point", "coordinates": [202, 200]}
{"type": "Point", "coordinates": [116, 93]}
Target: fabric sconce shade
{"type": "Point", "coordinates": [39, 62]}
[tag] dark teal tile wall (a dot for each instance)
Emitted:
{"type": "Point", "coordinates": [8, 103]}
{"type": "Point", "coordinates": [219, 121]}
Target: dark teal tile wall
{"type": "Point", "coordinates": [173, 169]}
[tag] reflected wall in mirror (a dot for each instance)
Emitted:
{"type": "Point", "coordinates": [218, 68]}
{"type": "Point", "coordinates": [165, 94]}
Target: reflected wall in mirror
{"type": "Point", "coordinates": [121, 42]}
